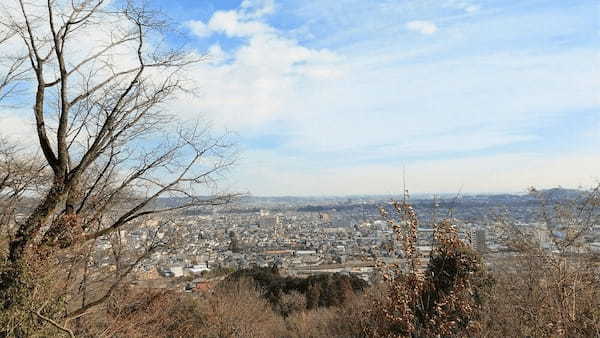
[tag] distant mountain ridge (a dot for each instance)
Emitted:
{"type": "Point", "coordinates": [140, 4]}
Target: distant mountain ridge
{"type": "Point", "coordinates": [315, 203]}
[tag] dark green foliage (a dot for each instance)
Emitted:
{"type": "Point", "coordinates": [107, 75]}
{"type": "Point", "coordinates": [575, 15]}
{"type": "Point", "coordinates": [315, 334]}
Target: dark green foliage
{"type": "Point", "coordinates": [452, 270]}
{"type": "Point", "coordinates": [446, 267]}
{"type": "Point", "coordinates": [319, 290]}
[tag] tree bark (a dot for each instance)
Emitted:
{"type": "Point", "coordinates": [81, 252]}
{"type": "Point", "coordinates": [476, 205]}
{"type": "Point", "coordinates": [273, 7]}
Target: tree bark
{"type": "Point", "coordinates": [40, 216]}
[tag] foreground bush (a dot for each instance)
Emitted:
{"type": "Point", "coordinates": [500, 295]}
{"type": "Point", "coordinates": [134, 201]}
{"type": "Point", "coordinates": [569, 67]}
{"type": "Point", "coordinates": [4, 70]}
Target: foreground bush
{"type": "Point", "coordinates": [235, 309]}
{"type": "Point", "coordinates": [444, 299]}
{"type": "Point", "coordinates": [548, 293]}
{"type": "Point", "coordinates": [538, 296]}
{"type": "Point", "coordinates": [462, 304]}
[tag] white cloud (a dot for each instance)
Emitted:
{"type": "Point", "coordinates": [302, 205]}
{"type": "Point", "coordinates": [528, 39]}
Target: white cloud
{"type": "Point", "coordinates": [472, 8]}
{"type": "Point", "coordinates": [199, 28]}
{"type": "Point", "coordinates": [243, 22]}
{"type": "Point", "coordinates": [467, 6]}
{"type": "Point", "coordinates": [18, 126]}
{"type": "Point", "coordinates": [423, 27]}
{"type": "Point", "coordinates": [260, 77]}
{"type": "Point", "coordinates": [258, 82]}
{"type": "Point", "coordinates": [431, 108]}
{"type": "Point", "coordinates": [233, 24]}
{"type": "Point", "coordinates": [257, 8]}
{"type": "Point", "coordinates": [216, 54]}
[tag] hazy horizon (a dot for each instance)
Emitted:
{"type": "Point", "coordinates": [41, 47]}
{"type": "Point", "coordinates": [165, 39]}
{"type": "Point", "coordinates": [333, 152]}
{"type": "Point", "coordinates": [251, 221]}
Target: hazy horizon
{"type": "Point", "coordinates": [424, 194]}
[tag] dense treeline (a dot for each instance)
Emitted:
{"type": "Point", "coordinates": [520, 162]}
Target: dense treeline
{"type": "Point", "coordinates": [318, 290]}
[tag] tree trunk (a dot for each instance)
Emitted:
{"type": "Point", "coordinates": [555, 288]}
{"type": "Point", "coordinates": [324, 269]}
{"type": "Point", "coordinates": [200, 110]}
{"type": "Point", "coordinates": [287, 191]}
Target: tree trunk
{"type": "Point", "coordinates": [40, 216]}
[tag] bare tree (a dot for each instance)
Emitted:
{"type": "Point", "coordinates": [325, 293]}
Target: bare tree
{"type": "Point", "coordinates": [103, 127]}
{"type": "Point", "coordinates": [20, 174]}
{"type": "Point", "coordinates": [12, 70]}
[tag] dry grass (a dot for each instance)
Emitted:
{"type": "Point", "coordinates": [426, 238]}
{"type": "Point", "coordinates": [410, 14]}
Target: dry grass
{"type": "Point", "coordinates": [233, 310]}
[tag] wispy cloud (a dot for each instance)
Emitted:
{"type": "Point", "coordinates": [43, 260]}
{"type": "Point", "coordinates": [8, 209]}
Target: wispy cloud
{"type": "Point", "coordinates": [423, 27]}
{"type": "Point", "coordinates": [363, 91]}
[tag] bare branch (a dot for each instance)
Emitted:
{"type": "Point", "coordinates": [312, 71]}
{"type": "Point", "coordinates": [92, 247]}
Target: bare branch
{"type": "Point", "coordinates": [54, 323]}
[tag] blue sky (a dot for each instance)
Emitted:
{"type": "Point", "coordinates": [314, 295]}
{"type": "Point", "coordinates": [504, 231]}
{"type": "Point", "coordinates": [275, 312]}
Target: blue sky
{"type": "Point", "coordinates": [337, 97]}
